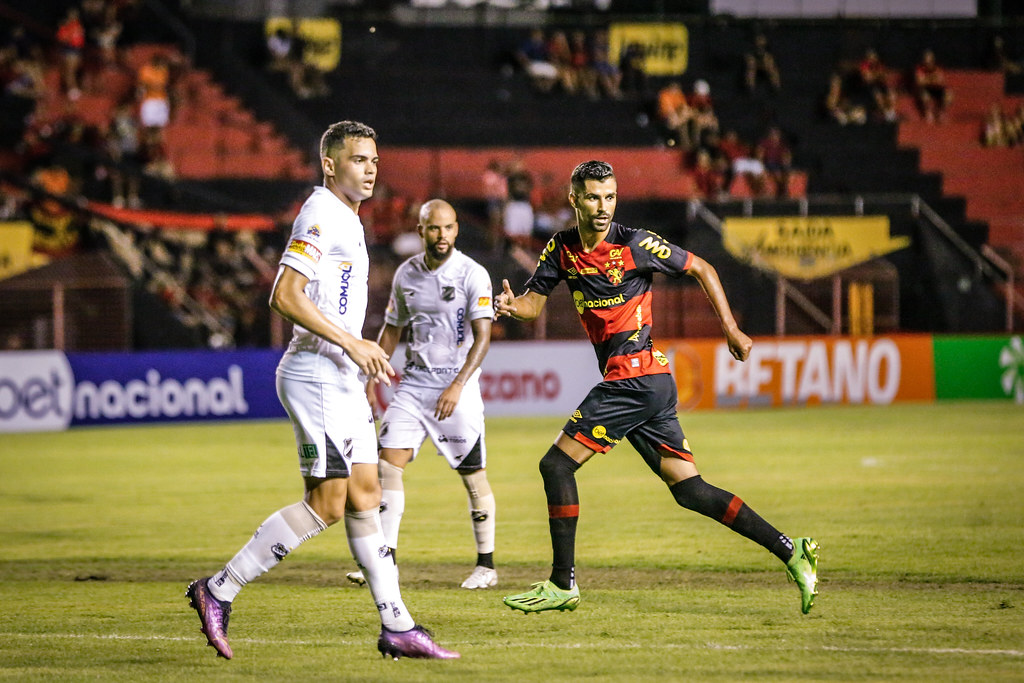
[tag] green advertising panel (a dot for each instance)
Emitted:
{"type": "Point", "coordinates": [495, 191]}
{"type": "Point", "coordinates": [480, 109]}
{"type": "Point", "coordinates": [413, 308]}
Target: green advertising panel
{"type": "Point", "coordinates": [979, 367]}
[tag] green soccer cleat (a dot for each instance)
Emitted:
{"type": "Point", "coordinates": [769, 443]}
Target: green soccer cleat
{"type": "Point", "coordinates": [544, 595]}
{"type": "Point", "coordinates": [803, 568]}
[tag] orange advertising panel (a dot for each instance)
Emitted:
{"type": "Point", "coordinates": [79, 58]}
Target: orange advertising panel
{"type": "Point", "coordinates": [785, 371]}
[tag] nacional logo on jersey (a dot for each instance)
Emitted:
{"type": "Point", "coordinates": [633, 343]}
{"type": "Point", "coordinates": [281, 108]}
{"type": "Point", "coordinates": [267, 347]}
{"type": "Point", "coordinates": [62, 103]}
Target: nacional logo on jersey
{"type": "Point", "coordinates": [583, 303]}
{"type": "Point", "coordinates": [306, 249]}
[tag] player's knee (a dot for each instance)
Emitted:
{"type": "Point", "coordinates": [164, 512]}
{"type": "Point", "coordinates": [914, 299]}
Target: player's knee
{"type": "Point", "coordinates": [557, 463]}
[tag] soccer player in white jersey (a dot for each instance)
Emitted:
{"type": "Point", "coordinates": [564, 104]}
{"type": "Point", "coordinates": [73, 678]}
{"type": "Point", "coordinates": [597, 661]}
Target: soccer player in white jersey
{"type": "Point", "coordinates": [321, 288]}
{"type": "Point", "coordinates": [444, 298]}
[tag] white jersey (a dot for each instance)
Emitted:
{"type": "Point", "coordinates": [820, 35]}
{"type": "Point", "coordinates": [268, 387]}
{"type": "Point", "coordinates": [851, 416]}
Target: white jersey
{"type": "Point", "coordinates": [438, 306]}
{"type": "Point", "coordinates": [328, 246]}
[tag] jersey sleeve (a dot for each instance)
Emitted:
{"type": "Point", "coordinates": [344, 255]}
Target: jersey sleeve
{"type": "Point", "coordinates": [548, 272]}
{"type": "Point", "coordinates": [654, 254]}
{"type": "Point", "coordinates": [305, 247]}
{"type": "Point", "coordinates": [397, 312]}
{"type": "Point", "coordinates": [478, 293]}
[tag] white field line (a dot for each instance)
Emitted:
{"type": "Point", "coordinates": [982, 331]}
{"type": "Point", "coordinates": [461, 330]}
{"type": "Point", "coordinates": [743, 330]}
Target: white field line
{"type": "Point", "coordinates": [622, 646]}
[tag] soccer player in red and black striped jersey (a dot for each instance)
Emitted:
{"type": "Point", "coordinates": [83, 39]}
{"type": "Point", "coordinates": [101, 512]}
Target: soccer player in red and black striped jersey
{"type": "Point", "coordinates": [608, 268]}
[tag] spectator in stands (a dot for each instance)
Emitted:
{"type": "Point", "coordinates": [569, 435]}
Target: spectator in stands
{"type": "Point", "coordinates": [704, 120]}
{"type": "Point", "coordinates": [279, 50]}
{"type": "Point", "coordinates": [71, 43]}
{"type": "Point", "coordinates": [583, 70]}
{"type": "Point", "coordinates": [999, 58]}
{"type": "Point", "coordinates": [839, 107]}
{"type": "Point", "coordinates": [494, 187]}
{"type": "Point", "coordinates": [760, 64]}
{"type": "Point", "coordinates": [777, 158]}
{"type": "Point", "coordinates": [532, 56]}
{"type": "Point", "coordinates": [632, 67]}
{"type": "Point", "coordinates": [553, 210]}
{"type": "Point", "coordinates": [930, 90]}
{"type": "Point", "coordinates": [152, 93]}
{"type": "Point", "coordinates": [560, 55]}
{"type": "Point", "coordinates": [517, 218]}
{"type": "Point", "coordinates": [609, 78]}
{"type": "Point", "coordinates": [124, 147]}
{"type": "Point", "coordinates": [876, 82]}
{"type": "Point", "coordinates": [748, 165]}
{"type": "Point", "coordinates": [730, 149]}
{"type": "Point", "coordinates": [675, 115]}
{"type": "Point", "coordinates": [708, 178]}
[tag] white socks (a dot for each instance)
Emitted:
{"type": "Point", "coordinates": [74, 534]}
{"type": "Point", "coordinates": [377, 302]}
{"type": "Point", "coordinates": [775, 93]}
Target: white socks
{"type": "Point", "coordinates": [370, 550]}
{"type": "Point", "coordinates": [392, 500]}
{"type": "Point", "coordinates": [281, 533]}
{"type": "Point", "coordinates": [481, 509]}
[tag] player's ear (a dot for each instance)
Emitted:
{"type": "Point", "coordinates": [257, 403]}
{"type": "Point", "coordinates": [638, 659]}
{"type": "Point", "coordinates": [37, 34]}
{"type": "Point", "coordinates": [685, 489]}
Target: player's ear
{"type": "Point", "coordinates": [327, 163]}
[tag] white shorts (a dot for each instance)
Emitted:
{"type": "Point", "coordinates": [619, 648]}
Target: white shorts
{"type": "Point", "coordinates": [409, 420]}
{"type": "Point", "coordinates": [333, 426]}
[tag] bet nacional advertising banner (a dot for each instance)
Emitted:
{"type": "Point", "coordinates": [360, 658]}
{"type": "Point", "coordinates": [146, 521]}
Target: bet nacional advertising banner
{"type": "Point", "coordinates": [51, 391]}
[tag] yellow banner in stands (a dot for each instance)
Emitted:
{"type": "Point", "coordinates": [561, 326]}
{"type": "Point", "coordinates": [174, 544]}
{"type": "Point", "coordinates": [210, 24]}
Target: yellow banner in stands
{"type": "Point", "coordinates": [666, 47]}
{"type": "Point", "coordinates": [321, 39]}
{"type": "Point", "coordinates": [808, 247]}
{"type": "Point", "coordinates": [15, 247]}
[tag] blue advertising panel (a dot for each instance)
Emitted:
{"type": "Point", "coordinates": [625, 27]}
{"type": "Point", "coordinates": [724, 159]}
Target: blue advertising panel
{"type": "Point", "coordinates": [173, 386]}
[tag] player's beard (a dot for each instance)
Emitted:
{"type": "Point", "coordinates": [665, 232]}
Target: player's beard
{"type": "Point", "coordinates": [440, 256]}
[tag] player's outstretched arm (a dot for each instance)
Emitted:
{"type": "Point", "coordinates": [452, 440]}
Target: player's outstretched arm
{"type": "Point", "coordinates": [525, 307]}
{"type": "Point", "coordinates": [288, 299]}
{"type": "Point", "coordinates": [707, 276]}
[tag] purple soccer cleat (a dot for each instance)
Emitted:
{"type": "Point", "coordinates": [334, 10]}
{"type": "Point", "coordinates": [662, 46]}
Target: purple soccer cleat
{"type": "Point", "coordinates": [213, 616]}
{"type": "Point", "coordinates": [416, 642]}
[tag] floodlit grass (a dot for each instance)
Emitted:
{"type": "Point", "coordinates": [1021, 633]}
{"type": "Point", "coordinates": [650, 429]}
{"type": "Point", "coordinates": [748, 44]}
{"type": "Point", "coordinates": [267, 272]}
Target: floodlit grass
{"type": "Point", "coordinates": [918, 509]}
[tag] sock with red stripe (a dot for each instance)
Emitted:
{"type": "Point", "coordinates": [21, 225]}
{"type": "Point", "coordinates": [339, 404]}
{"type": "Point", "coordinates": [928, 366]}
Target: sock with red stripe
{"type": "Point", "coordinates": [697, 495]}
{"type": "Point", "coordinates": [559, 473]}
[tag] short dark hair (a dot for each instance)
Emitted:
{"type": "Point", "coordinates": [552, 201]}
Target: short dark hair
{"type": "Point", "coordinates": [337, 132]}
{"type": "Point", "coordinates": [590, 170]}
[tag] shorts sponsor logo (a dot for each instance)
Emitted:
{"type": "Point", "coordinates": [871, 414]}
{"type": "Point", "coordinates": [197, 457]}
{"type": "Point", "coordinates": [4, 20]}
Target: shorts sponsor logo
{"type": "Point", "coordinates": [303, 248]}
{"type": "Point", "coordinates": [308, 451]}
{"type": "Point", "coordinates": [660, 357]}
{"type": "Point", "coordinates": [599, 432]}
{"type": "Point", "coordinates": [279, 550]}
{"type": "Point", "coordinates": [444, 438]}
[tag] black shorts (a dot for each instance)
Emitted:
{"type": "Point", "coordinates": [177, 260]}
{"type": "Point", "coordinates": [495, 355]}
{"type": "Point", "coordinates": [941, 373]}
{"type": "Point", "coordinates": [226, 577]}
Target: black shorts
{"type": "Point", "coordinates": [639, 409]}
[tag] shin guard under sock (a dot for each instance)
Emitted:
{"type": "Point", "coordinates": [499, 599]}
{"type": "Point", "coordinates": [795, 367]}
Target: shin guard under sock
{"type": "Point", "coordinates": [559, 473]}
{"type": "Point", "coordinates": [724, 507]}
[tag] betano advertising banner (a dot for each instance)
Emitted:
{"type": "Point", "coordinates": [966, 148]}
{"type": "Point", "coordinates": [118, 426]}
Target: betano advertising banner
{"type": "Point", "coordinates": [52, 391]}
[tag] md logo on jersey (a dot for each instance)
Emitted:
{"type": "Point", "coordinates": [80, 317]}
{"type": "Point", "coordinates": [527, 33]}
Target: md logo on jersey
{"type": "Point", "coordinates": [448, 293]}
{"type": "Point", "coordinates": [654, 245]}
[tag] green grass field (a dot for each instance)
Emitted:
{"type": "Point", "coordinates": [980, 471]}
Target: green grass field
{"type": "Point", "coordinates": [918, 509]}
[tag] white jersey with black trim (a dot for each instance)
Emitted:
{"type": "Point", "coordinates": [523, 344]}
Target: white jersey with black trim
{"type": "Point", "coordinates": [438, 306]}
{"type": "Point", "coordinates": [328, 246]}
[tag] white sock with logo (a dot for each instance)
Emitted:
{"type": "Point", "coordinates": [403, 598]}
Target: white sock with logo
{"type": "Point", "coordinates": [370, 550]}
{"type": "Point", "coordinates": [281, 533]}
{"type": "Point", "coordinates": [392, 501]}
{"type": "Point", "coordinates": [482, 509]}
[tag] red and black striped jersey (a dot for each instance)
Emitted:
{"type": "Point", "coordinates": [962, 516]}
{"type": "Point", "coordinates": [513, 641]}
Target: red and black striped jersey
{"type": "Point", "coordinates": [611, 288]}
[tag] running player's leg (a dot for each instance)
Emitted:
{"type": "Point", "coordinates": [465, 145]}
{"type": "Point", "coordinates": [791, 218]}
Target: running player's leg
{"type": "Point", "coordinates": [665, 450]}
